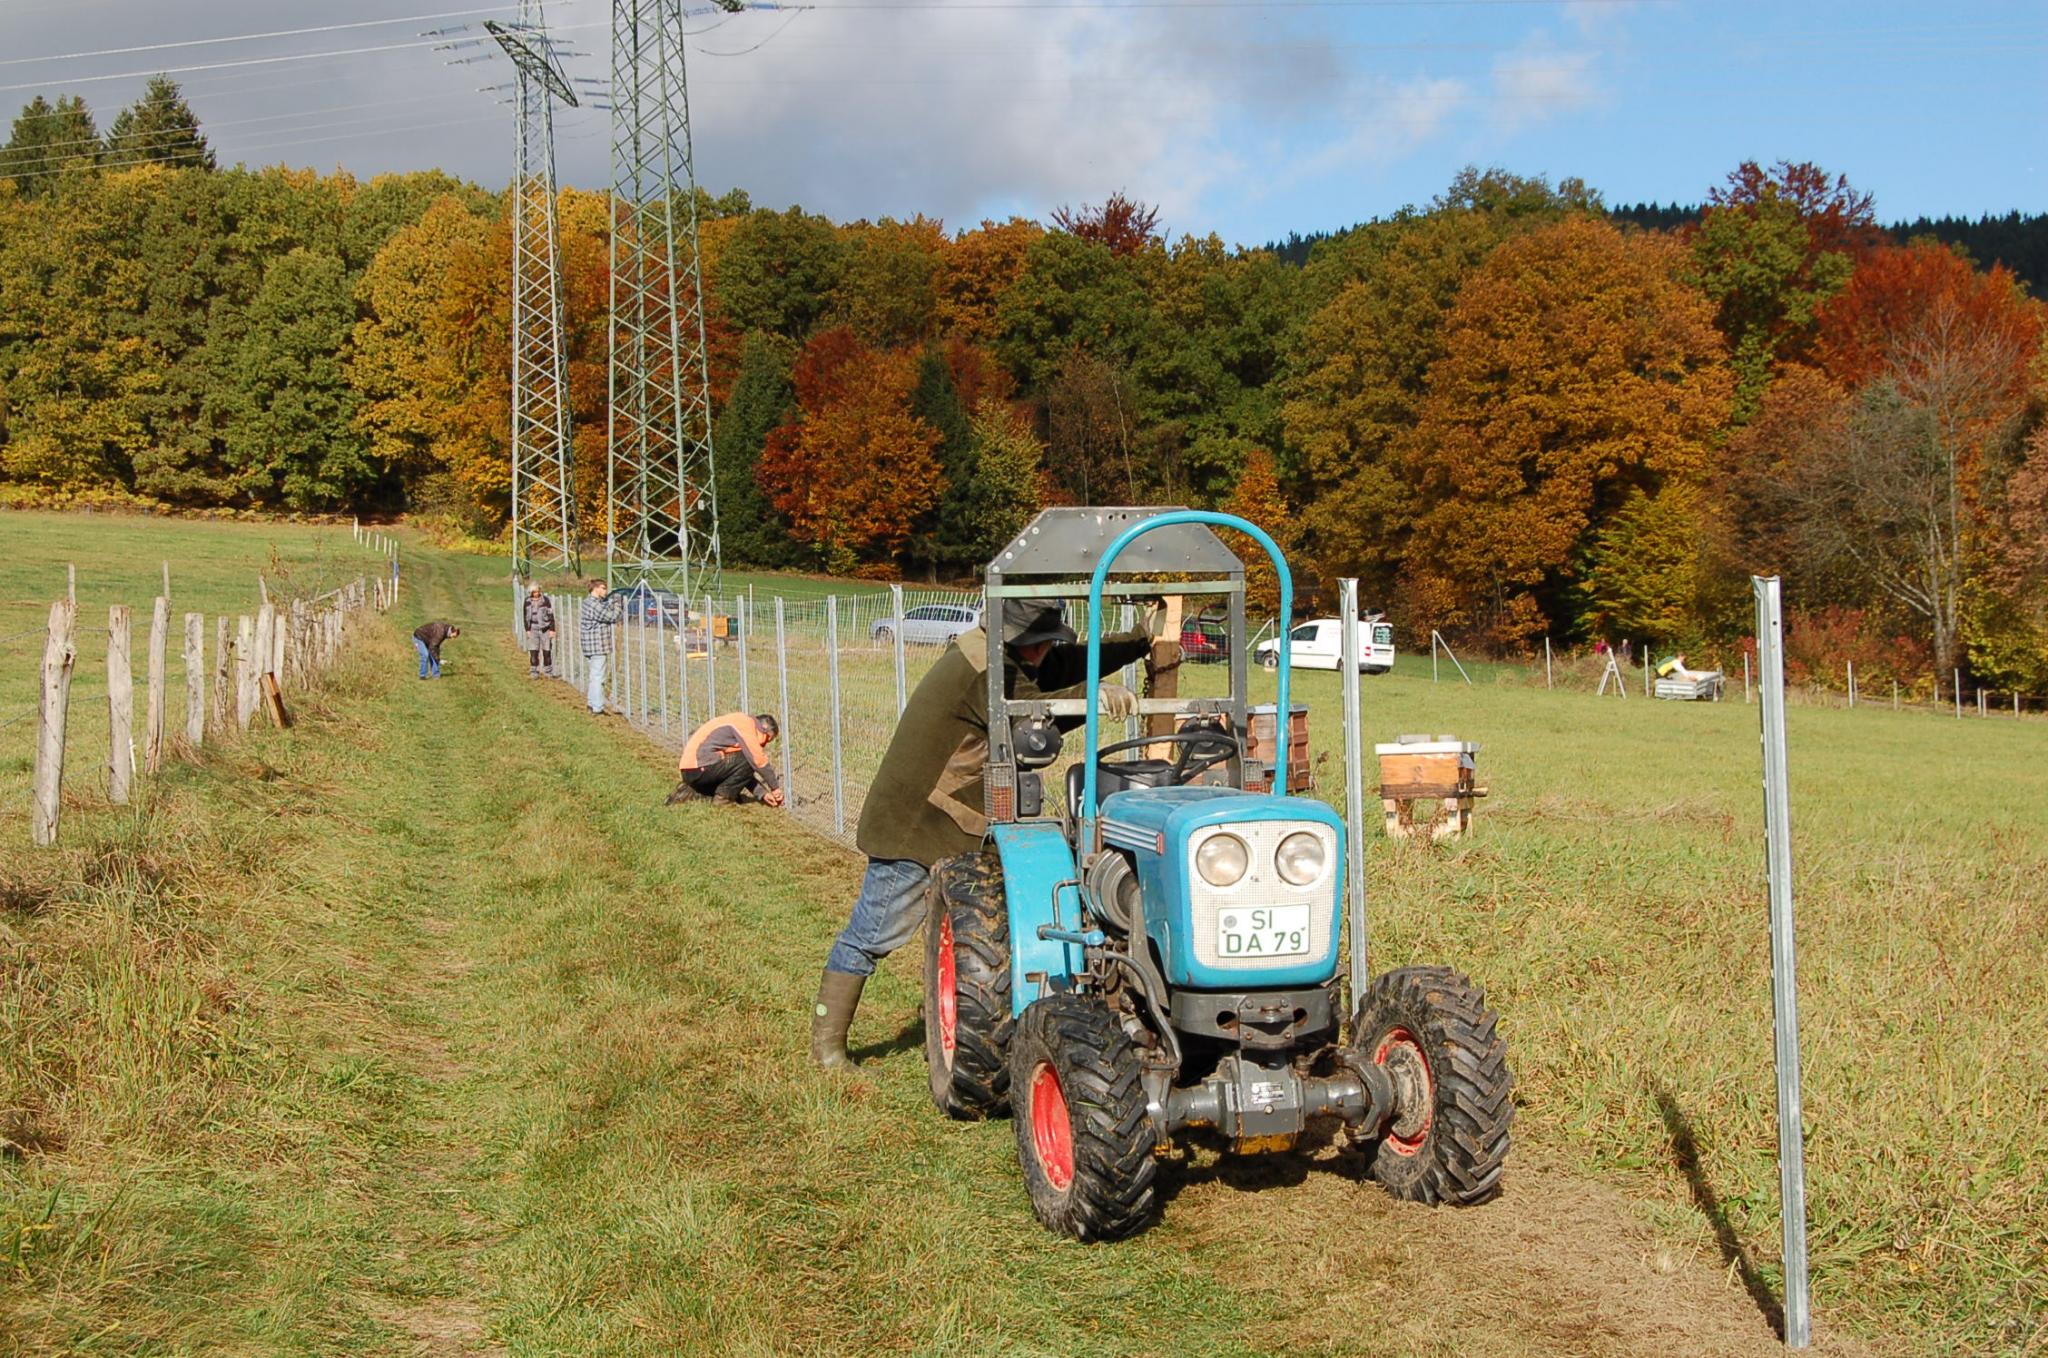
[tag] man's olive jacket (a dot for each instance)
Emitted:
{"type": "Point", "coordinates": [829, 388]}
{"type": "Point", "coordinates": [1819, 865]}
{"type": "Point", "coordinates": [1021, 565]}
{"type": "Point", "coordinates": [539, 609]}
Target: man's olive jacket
{"type": "Point", "coordinates": [926, 801]}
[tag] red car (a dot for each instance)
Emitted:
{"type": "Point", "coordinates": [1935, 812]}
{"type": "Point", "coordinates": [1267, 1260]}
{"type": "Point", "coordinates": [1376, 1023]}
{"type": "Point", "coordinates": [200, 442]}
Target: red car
{"type": "Point", "coordinates": [1204, 642]}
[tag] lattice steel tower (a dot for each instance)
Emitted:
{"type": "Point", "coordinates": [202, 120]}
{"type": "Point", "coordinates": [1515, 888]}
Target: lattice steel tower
{"type": "Point", "coordinates": [663, 525]}
{"type": "Point", "coordinates": [543, 488]}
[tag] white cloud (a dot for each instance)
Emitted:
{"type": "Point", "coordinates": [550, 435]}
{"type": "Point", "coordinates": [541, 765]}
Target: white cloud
{"type": "Point", "coordinates": [1541, 81]}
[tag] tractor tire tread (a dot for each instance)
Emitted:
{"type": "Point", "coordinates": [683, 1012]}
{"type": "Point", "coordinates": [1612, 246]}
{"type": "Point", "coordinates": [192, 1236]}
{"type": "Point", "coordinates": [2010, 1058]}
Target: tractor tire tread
{"type": "Point", "coordinates": [1462, 1162]}
{"type": "Point", "coordinates": [1115, 1171]}
{"type": "Point", "coordinates": [969, 889]}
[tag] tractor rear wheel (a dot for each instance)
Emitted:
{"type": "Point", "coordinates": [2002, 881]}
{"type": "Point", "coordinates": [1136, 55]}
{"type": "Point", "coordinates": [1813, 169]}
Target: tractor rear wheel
{"type": "Point", "coordinates": [1083, 1137]}
{"type": "Point", "coordinates": [967, 1021]}
{"type": "Point", "coordinates": [1429, 1027]}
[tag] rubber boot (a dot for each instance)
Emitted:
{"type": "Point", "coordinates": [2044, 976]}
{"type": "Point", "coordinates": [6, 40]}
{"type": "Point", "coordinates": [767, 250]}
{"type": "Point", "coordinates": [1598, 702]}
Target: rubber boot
{"type": "Point", "coordinates": [838, 997]}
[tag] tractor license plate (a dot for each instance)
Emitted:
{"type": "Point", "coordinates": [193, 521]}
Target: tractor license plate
{"type": "Point", "coordinates": [1263, 931]}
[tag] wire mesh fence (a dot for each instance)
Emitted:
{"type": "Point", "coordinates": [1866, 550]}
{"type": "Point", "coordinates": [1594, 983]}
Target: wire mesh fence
{"type": "Point", "coordinates": [836, 670]}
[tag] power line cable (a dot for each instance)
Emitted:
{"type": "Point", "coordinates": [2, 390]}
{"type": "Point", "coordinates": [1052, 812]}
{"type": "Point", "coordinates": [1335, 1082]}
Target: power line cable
{"type": "Point", "coordinates": [255, 61]}
{"type": "Point", "coordinates": [257, 37]}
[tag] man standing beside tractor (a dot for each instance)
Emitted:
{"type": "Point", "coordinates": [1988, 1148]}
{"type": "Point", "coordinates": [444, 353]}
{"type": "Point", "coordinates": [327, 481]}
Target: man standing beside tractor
{"type": "Point", "coordinates": [925, 804]}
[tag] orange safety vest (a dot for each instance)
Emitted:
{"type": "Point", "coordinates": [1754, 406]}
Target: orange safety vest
{"type": "Point", "coordinates": [696, 755]}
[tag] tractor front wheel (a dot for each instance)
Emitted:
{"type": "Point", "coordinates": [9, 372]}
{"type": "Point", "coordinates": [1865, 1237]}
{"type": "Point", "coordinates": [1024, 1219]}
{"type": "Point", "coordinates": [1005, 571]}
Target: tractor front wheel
{"type": "Point", "coordinates": [1430, 1030]}
{"type": "Point", "coordinates": [967, 1021]}
{"type": "Point", "coordinates": [1083, 1137]}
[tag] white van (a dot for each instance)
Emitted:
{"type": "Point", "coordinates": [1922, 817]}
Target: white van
{"type": "Point", "coordinates": [1319, 645]}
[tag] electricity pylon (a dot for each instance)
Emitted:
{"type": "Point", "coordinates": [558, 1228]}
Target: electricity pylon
{"type": "Point", "coordinates": [543, 488]}
{"type": "Point", "coordinates": [663, 510]}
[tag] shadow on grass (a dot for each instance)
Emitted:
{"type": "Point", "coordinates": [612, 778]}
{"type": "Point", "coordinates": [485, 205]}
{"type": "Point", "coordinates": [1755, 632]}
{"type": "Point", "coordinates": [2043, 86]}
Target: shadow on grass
{"type": "Point", "coordinates": [1685, 1153]}
{"type": "Point", "coordinates": [910, 1039]}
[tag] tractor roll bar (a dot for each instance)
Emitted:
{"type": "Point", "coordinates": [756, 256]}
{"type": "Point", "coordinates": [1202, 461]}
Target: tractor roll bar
{"type": "Point", "coordinates": [1124, 539]}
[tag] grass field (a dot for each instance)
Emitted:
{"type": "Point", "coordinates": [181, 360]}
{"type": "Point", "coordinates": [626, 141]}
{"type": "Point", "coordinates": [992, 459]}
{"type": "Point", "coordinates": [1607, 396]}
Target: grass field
{"type": "Point", "coordinates": [426, 1029]}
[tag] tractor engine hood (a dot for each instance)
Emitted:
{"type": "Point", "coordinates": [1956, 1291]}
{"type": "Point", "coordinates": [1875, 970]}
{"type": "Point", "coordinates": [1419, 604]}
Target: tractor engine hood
{"type": "Point", "coordinates": [1259, 908]}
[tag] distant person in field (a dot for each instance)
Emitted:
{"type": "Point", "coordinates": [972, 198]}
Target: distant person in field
{"type": "Point", "coordinates": [726, 759]}
{"type": "Point", "coordinates": [926, 800]}
{"type": "Point", "coordinates": [427, 641]}
{"type": "Point", "coordinates": [600, 613]}
{"type": "Point", "coordinates": [540, 633]}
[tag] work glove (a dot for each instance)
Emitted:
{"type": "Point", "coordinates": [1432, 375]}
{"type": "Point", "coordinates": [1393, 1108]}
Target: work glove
{"type": "Point", "coordinates": [1155, 620]}
{"type": "Point", "coordinates": [1116, 702]}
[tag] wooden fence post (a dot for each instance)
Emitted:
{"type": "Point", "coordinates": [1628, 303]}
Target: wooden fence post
{"type": "Point", "coordinates": [245, 670]}
{"type": "Point", "coordinates": [195, 680]}
{"type": "Point", "coordinates": [279, 628]}
{"type": "Point", "coordinates": [120, 707]}
{"type": "Point", "coordinates": [159, 638]}
{"type": "Point", "coordinates": [223, 674]}
{"type": "Point", "coordinates": [58, 658]}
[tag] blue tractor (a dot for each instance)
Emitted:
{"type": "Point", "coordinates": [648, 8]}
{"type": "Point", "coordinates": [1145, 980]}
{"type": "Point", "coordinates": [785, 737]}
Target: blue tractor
{"type": "Point", "coordinates": [1149, 952]}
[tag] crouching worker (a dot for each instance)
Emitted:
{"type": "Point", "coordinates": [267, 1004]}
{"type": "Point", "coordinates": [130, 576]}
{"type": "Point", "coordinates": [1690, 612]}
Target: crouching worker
{"type": "Point", "coordinates": [925, 804]}
{"type": "Point", "coordinates": [726, 759]}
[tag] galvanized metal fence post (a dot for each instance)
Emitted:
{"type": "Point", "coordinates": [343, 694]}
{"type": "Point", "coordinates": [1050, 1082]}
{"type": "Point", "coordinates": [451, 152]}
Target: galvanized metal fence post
{"type": "Point", "coordinates": [1784, 970]}
{"type": "Point", "coordinates": [838, 761]}
{"type": "Point", "coordinates": [745, 613]}
{"type": "Point", "coordinates": [1852, 683]}
{"type": "Point", "coordinates": [661, 661]}
{"type": "Point", "coordinates": [1546, 662]}
{"type": "Point", "coordinates": [1959, 695]}
{"type": "Point", "coordinates": [788, 731]}
{"type": "Point", "coordinates": [710, 662]}
{"type": "Point", "coordinates": [896, 641]}
{"type": "Point", "coordinates": [1354, 788]}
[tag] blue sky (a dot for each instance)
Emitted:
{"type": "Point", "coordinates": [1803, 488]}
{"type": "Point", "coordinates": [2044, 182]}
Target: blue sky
{"type": "Point", "coordinates": [1248, 120]}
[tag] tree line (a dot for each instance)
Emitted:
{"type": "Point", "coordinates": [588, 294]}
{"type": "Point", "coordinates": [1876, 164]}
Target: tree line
{"type": "Point", "coordinates": [1511, 411]}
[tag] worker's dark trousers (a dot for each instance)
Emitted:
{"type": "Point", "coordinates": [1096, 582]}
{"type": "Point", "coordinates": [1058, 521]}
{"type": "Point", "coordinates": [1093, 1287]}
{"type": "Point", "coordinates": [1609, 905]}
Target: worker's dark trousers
{"type": "Point", "coordinates": [728, 779]}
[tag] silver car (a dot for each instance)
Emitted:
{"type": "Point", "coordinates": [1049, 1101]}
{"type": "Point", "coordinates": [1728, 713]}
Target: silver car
{"type": "Point", "coordinates": [929, 624]}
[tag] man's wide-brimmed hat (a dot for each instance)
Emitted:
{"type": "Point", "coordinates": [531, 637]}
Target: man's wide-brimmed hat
{"type": "Point", "coordinates": [1027, 622]}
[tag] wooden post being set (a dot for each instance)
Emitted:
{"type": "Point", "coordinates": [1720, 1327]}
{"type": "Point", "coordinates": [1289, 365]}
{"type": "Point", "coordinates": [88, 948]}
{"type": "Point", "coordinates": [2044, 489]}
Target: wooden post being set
{"type": "Point", "coordinates": [120, 707]}
{"type": "Point", "coordinates": [58, 658]}
{"type": "Point", "coordinates": [1162, 676]}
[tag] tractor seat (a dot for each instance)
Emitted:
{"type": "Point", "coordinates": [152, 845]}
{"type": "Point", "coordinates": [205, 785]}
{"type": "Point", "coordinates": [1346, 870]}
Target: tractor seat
{"type": "Point", "coordinates": [1119, 777]}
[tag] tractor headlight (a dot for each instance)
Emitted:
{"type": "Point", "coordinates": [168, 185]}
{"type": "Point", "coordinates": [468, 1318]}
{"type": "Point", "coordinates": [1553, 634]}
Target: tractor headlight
{"type": "Point", "coordinates": [1301, 858]}
{"type": "Point", "coordinates": [1222, 860]}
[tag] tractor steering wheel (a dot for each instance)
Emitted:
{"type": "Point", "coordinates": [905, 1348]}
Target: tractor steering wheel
{"type": "Point", "coordinates": [1201, 748]}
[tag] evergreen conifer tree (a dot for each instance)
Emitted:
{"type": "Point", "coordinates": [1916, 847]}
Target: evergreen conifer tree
{"type": "Point", "coordinates": [160, 127]}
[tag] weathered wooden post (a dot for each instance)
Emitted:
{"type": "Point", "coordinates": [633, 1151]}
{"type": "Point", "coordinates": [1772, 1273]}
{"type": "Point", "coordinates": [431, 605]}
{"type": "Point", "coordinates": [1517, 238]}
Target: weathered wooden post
{"type": "Point", "coordinates": [223, 674]}
{"type": "Point", "coordinates": [159, 639]}
{"type": "Point", "coordinates": [245, 670]}
{"type": "Point", "coordinates": [120, 707]}
{"type": "Point", "coordinates": [58, 658]}
{"type": "Point", "coordinates": [195, 679]}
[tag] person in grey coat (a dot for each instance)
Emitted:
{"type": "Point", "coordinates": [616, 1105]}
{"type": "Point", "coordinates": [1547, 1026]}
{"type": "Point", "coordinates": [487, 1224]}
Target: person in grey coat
{"type": "Point", "coordinates": [540, 633]}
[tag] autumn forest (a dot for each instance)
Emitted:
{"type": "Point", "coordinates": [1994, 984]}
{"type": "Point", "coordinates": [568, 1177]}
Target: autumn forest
{"type": "Point", "coordinates": [1513, 412]}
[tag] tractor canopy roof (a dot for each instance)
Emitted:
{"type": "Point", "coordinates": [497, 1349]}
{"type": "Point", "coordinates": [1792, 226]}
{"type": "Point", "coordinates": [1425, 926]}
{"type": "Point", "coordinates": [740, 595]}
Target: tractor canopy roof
{"type": "Point", "coordinates": [1067, 543]}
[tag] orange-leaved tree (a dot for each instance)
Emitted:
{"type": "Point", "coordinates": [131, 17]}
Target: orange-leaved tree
{"type": "Point", "coordinates": [855, 468]}
{"type": "Point", "coordinates": [1258, 498]}
{"type": "Point", "coordinates": [1578, 369]}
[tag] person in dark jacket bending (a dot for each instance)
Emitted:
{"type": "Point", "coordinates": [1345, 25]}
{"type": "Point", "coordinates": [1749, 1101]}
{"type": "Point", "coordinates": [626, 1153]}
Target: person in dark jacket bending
{"type": "Point", "coordinates": [926, 801]}
{"type": "Point", "coordinates": [427, 641]}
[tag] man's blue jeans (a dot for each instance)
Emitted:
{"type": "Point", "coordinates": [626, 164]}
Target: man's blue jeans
{"type": "Point", "coordinates": [885, 916]}
{"type": "Point", "coordinates": [429, 666]}
{"type": "Point", "coordinates": [593, 687]}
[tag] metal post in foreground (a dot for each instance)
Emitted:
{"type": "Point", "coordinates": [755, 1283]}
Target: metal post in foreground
{"type": "Point", "coordinates": [1745, 677]}
{"type": "Point", "coordinates": [782, 673]}
{"type": "Point", "coordinates": [1959, 695]}
{"type": "Point", "coordinates": [1852, 683]}
{"type": "Point", "coordinates": [1354, 787]}
{"type": "Point", "coordinates": [838, 762]}
{"type": "Point", "coordinates": [1784, 972]}
{"type": "Point", "coordinates": [896, 641]}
